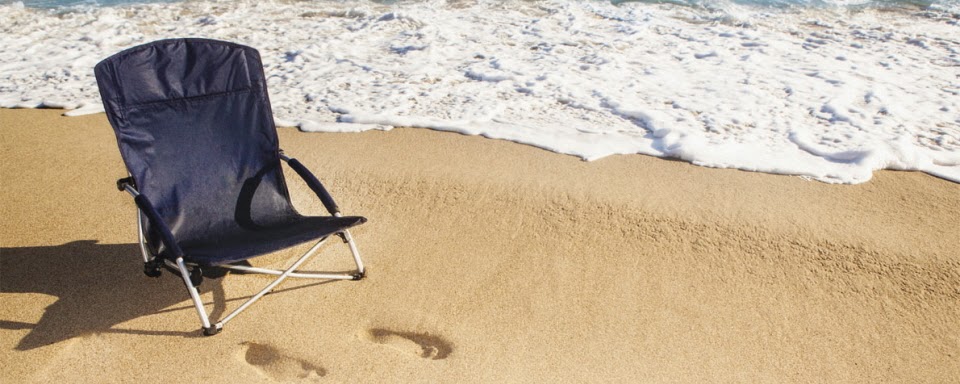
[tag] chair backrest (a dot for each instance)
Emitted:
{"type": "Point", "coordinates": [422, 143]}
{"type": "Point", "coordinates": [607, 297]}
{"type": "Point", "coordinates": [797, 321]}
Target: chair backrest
{"type": "Point", "coordinates": [196, 132]}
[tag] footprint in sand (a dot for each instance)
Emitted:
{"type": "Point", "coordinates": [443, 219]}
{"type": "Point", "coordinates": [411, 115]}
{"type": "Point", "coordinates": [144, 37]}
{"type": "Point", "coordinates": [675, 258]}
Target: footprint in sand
{"type": "Point", "coordinates": [418, 344]}
{"type": "Point", "coordinates": [277, 365]}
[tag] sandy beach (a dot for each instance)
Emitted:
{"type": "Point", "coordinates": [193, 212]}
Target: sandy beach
{"type": "Point", "coordinates": [489, 261]}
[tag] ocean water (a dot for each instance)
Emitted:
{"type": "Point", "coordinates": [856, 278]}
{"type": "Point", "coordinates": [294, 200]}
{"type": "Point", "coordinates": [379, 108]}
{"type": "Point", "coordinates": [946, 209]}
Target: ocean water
{"type": "Point", "coordinates": [829, 90]}
{"type": "Point", "coordinates": [940, 4]}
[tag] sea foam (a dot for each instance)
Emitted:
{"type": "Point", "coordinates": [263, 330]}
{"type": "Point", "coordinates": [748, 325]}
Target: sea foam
{"type": "Point", "coordinates": [828, 94]}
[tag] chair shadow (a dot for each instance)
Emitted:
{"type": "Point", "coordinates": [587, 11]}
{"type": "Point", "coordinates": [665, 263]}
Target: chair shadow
{"type": "Point", "coordinates": [97, 286]}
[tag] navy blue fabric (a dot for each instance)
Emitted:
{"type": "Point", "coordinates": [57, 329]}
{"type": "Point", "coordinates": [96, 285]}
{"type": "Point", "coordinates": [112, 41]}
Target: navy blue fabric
{"type": "Point", "coordinates": [196, 132]}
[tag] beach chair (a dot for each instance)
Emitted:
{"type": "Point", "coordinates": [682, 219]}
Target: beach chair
{"type": "Point", "coordinates": [197, 136]}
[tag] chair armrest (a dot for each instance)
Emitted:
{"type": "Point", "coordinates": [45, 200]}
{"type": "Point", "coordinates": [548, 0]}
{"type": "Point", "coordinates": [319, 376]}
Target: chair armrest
{"type": "Point", "coordinates": [147, 208]}
{"type": "Point", "coordinates": [313, 183]}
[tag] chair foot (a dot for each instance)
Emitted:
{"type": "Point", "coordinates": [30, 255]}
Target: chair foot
{"type": "Point", "coordinates": [152, 268]}
{"type": "Point", "coordinates": [196, 276]}
{"type": "Point", "coordinates": [358, 276]}
{"type": "Point", "coordinates": [212, 330]}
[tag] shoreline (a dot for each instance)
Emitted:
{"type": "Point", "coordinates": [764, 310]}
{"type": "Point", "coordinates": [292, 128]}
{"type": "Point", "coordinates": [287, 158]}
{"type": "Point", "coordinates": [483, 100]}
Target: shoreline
{"type": "Point", "coordinates": [511, 262]}
{"type": "Point", "coordinates": [828, 95]}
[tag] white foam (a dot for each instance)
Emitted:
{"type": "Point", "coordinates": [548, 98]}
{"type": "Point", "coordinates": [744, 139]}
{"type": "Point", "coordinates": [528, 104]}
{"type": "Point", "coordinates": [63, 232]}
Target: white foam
{"type": "Point", "coordinates": [827, 94]}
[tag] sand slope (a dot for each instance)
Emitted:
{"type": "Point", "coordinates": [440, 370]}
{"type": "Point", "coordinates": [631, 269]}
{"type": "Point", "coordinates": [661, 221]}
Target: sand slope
{"type": "Point", "coordinates": [490, 261]}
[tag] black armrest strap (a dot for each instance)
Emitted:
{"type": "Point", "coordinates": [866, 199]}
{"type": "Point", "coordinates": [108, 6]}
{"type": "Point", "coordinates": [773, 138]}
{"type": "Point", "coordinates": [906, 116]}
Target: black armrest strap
{"type": "Point", "coordinates": [165, 235]}
{"type": "Point", "coordinates": [315, 185]}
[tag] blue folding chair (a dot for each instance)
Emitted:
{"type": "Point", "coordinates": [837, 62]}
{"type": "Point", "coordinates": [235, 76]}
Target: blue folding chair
{"type": "Point", "coordinates": [196, 132]}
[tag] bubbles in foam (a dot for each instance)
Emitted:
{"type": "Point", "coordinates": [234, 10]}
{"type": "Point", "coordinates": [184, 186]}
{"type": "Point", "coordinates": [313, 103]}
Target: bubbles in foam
{"type": "Point", "coordinates": [827, 94]}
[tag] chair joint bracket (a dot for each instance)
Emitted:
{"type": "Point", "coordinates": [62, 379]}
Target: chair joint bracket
{"type": "Point", "coordinates": [124, 182]}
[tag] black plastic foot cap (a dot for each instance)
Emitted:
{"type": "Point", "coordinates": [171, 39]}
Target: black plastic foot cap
{"type": "Point", "coordinates": [151, 269]}
{"type": "Point", "coordinates": [213, 330]}
{"type": "Point", "coordinates": [358, 275]}
{"type": "Point", "coordinates": [152, 272]}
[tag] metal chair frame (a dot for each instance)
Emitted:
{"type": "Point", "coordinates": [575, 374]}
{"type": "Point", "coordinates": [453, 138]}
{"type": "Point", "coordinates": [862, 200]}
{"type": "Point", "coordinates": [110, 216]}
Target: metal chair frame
{"type": "Point", "coordinates": [184, 269]}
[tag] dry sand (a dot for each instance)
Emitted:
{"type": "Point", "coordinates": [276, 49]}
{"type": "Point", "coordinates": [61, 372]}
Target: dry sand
{"type": "Point", "coordinates": [490, 262]}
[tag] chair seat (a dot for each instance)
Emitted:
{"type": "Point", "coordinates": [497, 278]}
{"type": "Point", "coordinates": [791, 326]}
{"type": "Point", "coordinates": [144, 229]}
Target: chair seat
{"type": "Point", "coordinates": [241, 244]}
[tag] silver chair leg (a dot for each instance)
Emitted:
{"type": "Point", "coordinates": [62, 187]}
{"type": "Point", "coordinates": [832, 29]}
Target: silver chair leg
{"type": "Point", "coordinates": [356, 254]}
{"type": "Point", "coordinates": [185, 274]}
